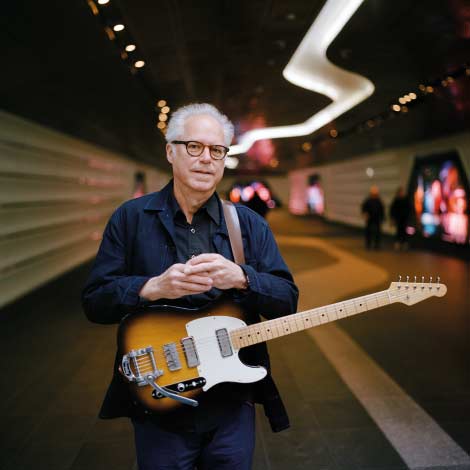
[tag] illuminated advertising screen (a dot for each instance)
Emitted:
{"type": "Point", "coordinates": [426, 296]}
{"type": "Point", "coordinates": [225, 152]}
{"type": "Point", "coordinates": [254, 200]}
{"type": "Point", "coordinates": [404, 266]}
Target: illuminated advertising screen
{"type": "Point", "coordinates": [440, 199]}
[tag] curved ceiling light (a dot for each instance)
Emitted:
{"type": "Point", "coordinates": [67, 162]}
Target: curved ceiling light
{"type": "Point", "coordinates": [309, 68]}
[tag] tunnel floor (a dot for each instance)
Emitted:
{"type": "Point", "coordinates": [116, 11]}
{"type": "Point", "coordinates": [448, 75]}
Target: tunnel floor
{"type": "Point", "coordinates": [388, 389]}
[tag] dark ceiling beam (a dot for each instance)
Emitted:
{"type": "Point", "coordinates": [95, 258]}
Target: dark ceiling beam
{"type": "Point", "coordinates": [181, 51]}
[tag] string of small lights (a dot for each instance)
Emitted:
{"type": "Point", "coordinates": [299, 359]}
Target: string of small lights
{"type": "Point", "coordinates": [400, 106]}
{"type": "Point", "coordinates": [117, 32]}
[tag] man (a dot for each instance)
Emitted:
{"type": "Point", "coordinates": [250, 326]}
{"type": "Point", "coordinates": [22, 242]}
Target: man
{"type": "Point", "coordinates": [400, 212]}
{"type": "Point", "coordinates": [373, 211]}
{"type": "Point", "coordinates": [172, 247]}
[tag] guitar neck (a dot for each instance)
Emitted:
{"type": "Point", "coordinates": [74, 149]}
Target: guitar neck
{"type": "Point", "coordinates": [300, 321]}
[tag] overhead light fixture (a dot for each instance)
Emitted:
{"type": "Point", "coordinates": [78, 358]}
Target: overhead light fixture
{"type": "Point", "coordinates": [162, 117]}
{"type": "Point", "coordinates": [396, 108]}
{"type": "Point", "coordinates": [334, 133]}
{"type": "Point", "coordinates": [412, 96]}
{"type": "Point", "coordinates": [161, 125]}
{"type": "Point", "coordinates": [161, 103]}
{"type": "Point", "coordinates": [118, 27]}
{"type": "Point", "coordinates": [231, 162]}
{"type": "Point", "coordinates": [139, 64]}
{"type": "Point", "coordinates": [401, 100]}
{"type": "Point", "coordinates": [103, 2]}
{"type": "Point", "coordinates": [130, 47]}
{"type": "Point", "coordinates": [165, 109]}
{"type": "Point", "coordinates": [310, 68]}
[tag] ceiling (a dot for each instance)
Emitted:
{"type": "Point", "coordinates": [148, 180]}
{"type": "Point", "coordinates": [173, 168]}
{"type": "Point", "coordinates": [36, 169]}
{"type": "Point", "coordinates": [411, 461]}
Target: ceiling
{"type": "Point", "coordinates": [60, 69]}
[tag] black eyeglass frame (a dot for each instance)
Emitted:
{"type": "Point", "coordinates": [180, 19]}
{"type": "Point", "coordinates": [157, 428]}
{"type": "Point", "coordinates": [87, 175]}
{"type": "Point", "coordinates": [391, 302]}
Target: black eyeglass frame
{"type": "Point", "coordinates": [186, 142]}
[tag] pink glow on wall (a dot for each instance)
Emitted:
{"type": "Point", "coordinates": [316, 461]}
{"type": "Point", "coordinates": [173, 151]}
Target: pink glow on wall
{"type": "Point", "coordinates": [298, 189]}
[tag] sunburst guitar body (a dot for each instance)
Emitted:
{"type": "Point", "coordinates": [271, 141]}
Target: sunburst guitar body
{"type": "Point", "coordinates": [183, 351]}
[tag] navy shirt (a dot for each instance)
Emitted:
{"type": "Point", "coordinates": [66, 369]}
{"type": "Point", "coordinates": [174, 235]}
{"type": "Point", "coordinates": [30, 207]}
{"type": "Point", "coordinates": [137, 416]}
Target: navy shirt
{"type": "Point", "coordinates": [192, 239]}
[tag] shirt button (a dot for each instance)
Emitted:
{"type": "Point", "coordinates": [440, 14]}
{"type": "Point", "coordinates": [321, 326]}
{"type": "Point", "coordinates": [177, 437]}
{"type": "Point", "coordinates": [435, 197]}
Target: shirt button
{"type": "Point", "coordinates": [193, 230]}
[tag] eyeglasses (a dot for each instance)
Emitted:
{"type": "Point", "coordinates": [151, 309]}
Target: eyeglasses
{"type": "Point", "coordinates": [195, 149]}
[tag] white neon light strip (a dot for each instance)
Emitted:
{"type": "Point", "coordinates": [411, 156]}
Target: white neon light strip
{"type": "Point", "coordinates": [309, 68]}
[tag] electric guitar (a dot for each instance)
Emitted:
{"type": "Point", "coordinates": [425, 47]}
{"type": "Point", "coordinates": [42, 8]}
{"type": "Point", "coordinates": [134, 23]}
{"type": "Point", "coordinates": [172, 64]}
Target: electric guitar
{"type": "Point", "coordinates": [171, 355]}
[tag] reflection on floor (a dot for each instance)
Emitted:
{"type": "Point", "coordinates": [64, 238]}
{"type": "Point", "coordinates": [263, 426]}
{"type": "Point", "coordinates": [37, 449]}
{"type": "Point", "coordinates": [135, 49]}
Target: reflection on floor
{"type": "Point", "coordinates": [58, 365]}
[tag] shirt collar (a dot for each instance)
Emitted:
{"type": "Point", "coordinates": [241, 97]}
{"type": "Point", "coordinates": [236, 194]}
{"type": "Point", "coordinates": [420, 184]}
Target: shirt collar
{"type": "Point", "coordinates": [211, 206]}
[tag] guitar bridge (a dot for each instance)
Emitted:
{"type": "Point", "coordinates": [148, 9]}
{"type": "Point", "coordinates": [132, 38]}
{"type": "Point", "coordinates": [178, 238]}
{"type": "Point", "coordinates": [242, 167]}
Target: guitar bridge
{"type": "Point", "coordinates": [140, 363]}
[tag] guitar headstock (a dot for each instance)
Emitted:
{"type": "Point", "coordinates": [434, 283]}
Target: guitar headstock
{"type": "Point", "coordinates": [411, 292]}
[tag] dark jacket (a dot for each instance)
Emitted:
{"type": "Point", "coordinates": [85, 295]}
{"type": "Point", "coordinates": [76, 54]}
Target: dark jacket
{"type": "Point", "coordinates": [400, 210]}
{"type": "Point", "coordinates": [374, 209]}
{"type": "Point", "coordinates": [138, 243]}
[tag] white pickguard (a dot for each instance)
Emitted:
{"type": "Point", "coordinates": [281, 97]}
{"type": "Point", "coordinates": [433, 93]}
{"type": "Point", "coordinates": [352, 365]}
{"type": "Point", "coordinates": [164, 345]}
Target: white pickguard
{"type": "Point", "coordinates": [213, 367]}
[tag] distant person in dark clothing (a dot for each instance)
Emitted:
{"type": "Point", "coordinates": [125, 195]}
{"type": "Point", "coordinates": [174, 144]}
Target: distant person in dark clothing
{"type": "Point", "coordinates": [399, 213]}
{"type": "Point", "coordinates": [373, 211]}
{"type": "Point", "coordinates": [258, 205]}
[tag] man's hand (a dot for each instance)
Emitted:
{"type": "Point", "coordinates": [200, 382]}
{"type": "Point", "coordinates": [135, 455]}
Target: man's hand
{"type": "Point", "coordinates": [175, 282]}
{"type": "Point", "coordinates": [224, 273]}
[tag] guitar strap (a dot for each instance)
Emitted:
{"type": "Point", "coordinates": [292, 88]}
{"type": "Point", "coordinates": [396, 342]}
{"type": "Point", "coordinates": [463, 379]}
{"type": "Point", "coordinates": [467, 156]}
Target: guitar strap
{"type": "Point", "coordinates": [234, 231]}
{"type": "Point", "coordinates": [266, 391]}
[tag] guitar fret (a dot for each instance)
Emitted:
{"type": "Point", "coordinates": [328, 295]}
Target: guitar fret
{"type": "Point", "coordinates": [300, 321]}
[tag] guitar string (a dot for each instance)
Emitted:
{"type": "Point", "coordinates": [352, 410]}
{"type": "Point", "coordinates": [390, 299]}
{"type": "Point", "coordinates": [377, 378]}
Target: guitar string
{"type": "Point", "coordinates": [277, 323]}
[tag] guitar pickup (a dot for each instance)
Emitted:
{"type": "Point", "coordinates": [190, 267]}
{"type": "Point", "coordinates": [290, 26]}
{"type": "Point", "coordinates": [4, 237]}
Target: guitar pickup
{"type": "Point", "coordinates": [224, 342]}
{"type": "Point", "coordinates": [171, 356]}
{"type": "Point", "coordinates": [189, 348]}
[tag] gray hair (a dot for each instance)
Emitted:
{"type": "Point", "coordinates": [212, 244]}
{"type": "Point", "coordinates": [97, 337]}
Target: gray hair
{"type": "Point", "coordinates": [175, 129]}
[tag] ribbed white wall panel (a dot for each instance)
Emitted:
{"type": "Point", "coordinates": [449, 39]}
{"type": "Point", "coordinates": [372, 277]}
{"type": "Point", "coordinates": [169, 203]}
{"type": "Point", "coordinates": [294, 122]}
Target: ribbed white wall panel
{"type": "Point", "coordinates": [346, 184]}
{"type": "Point", "coordinates": [56, 194]}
